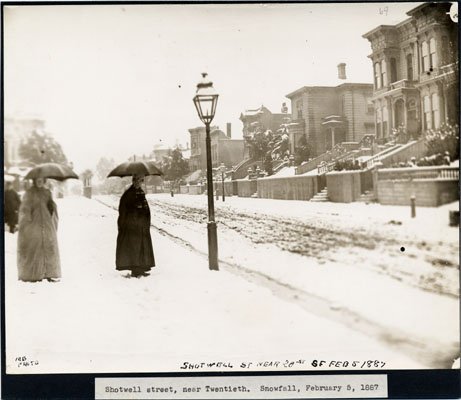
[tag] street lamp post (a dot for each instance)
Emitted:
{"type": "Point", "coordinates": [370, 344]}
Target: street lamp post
{"type": "Point", "coordinates": [222, 168]}
{"type": "Point", "coordinates": [205, 101]}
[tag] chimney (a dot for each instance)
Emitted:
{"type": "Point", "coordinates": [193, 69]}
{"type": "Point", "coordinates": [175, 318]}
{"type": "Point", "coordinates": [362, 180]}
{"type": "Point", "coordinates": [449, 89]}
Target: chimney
{"type": "Point", "coordinates": [228, 130]}
{"type": "Point", "coordinates": [342, 71]}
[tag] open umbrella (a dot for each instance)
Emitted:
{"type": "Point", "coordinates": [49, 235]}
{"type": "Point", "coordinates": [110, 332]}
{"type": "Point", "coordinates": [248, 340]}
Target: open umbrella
{"type": "Point", "coordinates": [56, 171]}
{"type": "Point", "coordinates": [135, 168]}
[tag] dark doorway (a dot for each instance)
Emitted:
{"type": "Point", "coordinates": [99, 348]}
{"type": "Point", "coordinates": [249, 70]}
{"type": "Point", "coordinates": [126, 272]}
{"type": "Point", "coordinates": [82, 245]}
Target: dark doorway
{"type": "Point", "coordinates": [399, 116]}
{"type": "Point", "coordinates": [339, 137]}
{"type": "Point", "coordinates": [321, 182]}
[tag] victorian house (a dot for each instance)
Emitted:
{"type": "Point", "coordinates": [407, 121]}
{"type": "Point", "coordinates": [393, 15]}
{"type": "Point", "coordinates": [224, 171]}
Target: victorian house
{"type": "Point", "coordinates": [415, 68]}
{"type": "Point", "coordinates": [330, 115]}
{"type": "Point", "coordinates": [261, 119]}
{"type": "Point", "coordinates": [224, 149]}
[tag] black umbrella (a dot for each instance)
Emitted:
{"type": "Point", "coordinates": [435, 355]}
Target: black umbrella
{"type": "Point", "coordinates": [135, 168]}
{"type": "Point", "coordinates": [56, 171]}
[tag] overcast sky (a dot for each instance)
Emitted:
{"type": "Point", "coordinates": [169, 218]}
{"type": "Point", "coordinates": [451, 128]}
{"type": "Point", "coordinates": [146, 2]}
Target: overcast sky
{"type": "Point", "coordinates": [115, 80]}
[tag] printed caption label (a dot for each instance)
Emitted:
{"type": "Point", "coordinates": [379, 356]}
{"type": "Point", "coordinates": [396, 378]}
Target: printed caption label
{"type": "Point", "coordinates": [246, 387]}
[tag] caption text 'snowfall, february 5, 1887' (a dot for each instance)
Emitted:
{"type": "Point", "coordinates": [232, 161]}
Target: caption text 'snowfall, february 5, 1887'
{"type": "Point", "coordinates": [251, 387]}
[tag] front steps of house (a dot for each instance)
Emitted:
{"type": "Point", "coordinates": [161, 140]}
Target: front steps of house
{"type": "Point", "coordinates": [321, 196]}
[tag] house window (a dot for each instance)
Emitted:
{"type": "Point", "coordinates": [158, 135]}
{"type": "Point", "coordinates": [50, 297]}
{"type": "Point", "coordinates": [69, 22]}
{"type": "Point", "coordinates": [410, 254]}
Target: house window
{"type": "Point", "coordinates": [432, 53]}
{"type": "Point", "coordinates": [431, 105]}
{"type": "Point", "coordinates": [370, 107]}
{"type": "Point", "coordinates": [383, 73]}
{"type": "Point", "coordinates": [299, 109]}
{"type": "Point", "coordinates": [343, 104]}
{"type": "Point", "coordinates": [377, 76]}
{"type": "Point", "coordinates": [435, 110]}
{"type": "Point", "coordinates": [393, 70]}
{"type": "Point", "coordinates": [427, 112]}
{"type": "Point", "coordinates": [425, 56]}
{"type": "Point", "coordinates": [410, 67]}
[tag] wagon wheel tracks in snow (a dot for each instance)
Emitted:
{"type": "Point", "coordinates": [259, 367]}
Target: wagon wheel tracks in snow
{"type": "Point", "coordinates": [434, 355]}
{"type": "Point", "coordinates": [326, 242]}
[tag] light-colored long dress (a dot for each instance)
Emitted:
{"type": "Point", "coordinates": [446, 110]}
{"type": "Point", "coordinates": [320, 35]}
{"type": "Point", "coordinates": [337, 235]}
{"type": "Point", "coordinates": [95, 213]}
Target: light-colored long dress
{"type": "Point", "coordinates": [38, 253]}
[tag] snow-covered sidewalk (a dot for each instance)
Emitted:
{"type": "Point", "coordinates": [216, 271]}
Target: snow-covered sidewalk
{"type": "Point", "coordinates": [98, 320]}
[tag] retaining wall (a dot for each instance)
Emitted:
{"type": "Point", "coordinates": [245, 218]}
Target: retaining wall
{"type": "Point", "coordinates": [344, 186]}
{"type": "Point", "coordinates": [428, 193]}
{"type": "Point", "coordinates": [288, 188]}
{"type": "Point", "coordinates": [191, 189]}
{"type": "Point", "coordinates": [228, 188]}
{"type": "Point", "coordinates": [246, 187]}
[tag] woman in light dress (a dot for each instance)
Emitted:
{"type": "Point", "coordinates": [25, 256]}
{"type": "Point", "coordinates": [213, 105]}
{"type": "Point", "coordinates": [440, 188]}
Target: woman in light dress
{"type": "Point", "coordinates": [38, 253]}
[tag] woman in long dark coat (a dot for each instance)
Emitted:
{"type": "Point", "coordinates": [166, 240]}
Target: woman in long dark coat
{"type": "Point", "coordinates": [38, 253]}
{"type": "Point", "coordinates": [134, 243]}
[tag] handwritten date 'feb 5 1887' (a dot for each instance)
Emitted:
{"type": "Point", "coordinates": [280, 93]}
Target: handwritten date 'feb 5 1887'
{"type": "Point", "coordinates": [348, 364]}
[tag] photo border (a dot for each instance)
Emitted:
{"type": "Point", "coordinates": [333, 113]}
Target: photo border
{"type": "Point", "coordinates": [402, 384]}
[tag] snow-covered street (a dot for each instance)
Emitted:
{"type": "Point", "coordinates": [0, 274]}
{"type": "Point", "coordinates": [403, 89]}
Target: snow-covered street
{"type": "Point", "coordinates": [276, 298]}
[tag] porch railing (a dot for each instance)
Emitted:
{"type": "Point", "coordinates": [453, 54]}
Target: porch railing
{"type": "Point", "coordinates": [337, 150]}
{"type": "Point", "coordinates": [408, 173]}
{"type": "Point", "coordinates": [378, 157]}
{"type": "Point", "coordinates": [352, 155]}
{"type": "Point", "coordinates": [402, 84]}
